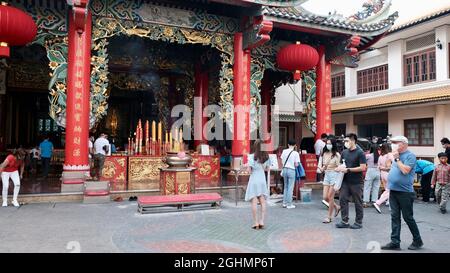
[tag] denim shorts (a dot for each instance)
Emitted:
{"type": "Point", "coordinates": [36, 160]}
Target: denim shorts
{"type": "Point", "coordinates": [330, 178]}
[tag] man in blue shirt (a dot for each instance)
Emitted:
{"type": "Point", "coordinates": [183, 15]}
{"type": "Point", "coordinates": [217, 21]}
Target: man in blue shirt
{"type": "Point", "coordinates": [426, 169]}
{"type": "Point", "coordinates": [46, 149]}
{"type": "Point", "coordinates": [402, 195]}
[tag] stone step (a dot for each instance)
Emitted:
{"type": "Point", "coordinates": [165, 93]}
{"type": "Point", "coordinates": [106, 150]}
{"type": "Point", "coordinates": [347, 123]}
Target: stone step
{"type": "Point", "coordinates": [96, 199]}
{"type": "Point", "coordinates": [97, 185]}
{"type": "Point", "coordinates": [96, 192]}
{"type": "Point", "coordinates": [66, 188]}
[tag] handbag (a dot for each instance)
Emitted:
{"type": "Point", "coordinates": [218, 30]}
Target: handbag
{"type": "Point", "coordinates": [284, 165]}
{"type": "Point", "coordinates": [299, 172]}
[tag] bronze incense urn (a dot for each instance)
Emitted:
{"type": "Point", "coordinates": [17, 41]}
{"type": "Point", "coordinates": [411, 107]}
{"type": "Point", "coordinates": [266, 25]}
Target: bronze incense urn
{"type": "Point", "coordinates": [178, 159]}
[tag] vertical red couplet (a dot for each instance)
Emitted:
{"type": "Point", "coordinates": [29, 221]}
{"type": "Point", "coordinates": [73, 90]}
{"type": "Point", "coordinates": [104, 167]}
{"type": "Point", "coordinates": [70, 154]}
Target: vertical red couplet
{"type": "Point", "coordinates": [78, 94]}
{"type": "Point", "coordinates": [323, 95]}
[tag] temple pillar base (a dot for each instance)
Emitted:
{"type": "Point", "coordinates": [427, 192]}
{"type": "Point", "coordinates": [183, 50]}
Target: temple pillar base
{"type": "Point", "coordinates": [68, 175]}
{"type": "Point", "coordinates": [97, 192]}
{"type": "Point", "coordinates": [73, 181]}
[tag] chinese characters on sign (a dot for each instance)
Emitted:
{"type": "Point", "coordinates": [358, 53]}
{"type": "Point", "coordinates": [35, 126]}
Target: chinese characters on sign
{"type": "Point", "coordinates": [328, 99]}
{"type": "Point", "coordinates": [78, 92]}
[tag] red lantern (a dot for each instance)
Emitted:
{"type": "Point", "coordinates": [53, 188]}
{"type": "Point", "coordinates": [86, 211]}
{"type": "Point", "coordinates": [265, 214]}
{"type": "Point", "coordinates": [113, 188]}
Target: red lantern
{"type": "Point", "coordinates": [297, 57]}
{"type": "Point", "coordinates": [16, 28]}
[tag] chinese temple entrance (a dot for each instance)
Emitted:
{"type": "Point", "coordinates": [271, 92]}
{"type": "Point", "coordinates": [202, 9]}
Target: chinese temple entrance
{"type": "Point", "coordinates": [147, 78]}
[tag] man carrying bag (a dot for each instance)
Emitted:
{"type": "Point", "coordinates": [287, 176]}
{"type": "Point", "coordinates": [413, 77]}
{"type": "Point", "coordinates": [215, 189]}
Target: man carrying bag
{"type": "Point", "coordinates": [290, 159]}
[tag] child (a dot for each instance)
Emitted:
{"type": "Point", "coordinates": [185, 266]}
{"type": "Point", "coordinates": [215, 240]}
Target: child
{"type": "Point", "coordinates": [35, 157]}
{"type": "Point", "coordinates": [441, 175]}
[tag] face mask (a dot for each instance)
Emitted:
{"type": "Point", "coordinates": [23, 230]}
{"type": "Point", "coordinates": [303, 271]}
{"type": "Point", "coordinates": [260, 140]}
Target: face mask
{"type": "Point", "coordinates": [394, 147]}
{"type": "Point", "coordinates": [329, 147]}
{"type": "Point", "coordinates": [347, 145]}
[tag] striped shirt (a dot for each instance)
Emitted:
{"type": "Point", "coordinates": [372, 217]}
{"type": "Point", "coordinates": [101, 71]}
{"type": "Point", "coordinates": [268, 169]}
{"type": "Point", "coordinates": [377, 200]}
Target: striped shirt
{"type": "Point", "coordinates": [441, 174]}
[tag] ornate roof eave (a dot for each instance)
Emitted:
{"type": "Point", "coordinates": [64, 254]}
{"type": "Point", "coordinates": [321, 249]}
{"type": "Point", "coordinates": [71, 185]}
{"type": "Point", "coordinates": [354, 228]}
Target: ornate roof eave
{"type": "Point", "coordinates": [269, 3]}
{"type": "Point", "coordinates": [318, 23]}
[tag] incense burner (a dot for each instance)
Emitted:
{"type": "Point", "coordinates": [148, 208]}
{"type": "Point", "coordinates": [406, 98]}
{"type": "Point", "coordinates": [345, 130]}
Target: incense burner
{"type": "Point", "coordinates": [178, 159]}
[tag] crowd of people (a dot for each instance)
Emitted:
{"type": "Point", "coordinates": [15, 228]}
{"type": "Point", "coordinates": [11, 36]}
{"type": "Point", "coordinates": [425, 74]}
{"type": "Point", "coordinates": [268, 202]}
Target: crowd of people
{"type": "Point", "coordinates": [15, 164]}
{"type": "Point", "coordinates": [358, 175]}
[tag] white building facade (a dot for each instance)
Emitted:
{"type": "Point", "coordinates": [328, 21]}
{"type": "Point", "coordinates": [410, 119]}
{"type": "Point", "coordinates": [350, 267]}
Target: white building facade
{"type": "Point", "coordinates": [401, 87]}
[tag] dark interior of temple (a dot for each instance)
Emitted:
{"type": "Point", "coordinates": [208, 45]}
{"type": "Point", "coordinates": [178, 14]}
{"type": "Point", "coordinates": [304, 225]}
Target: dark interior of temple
{"type": "Point", "coordinates": [138, 70]}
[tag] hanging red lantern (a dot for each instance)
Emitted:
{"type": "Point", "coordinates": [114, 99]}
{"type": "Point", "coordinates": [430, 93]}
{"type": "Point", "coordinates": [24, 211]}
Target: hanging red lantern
{"type": "Point", "coordinates": [297, 57]}
{"type": "Point", "coordinates": [16, 28]}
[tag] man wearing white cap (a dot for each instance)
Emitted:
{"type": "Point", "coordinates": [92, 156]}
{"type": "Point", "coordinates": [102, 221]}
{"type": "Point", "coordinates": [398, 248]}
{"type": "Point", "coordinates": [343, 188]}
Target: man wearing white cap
{"type": "Point", "coordinates": [402, 195]}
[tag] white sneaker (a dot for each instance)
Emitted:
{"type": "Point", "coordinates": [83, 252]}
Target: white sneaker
{"type": "Point", "coordinates": [284, 205]}
{"type": "Point", "coordinates": [377, 207]}
{"type": "Point", "coordinates": [291, 207]}
{"type": "Point", "coordinates": [326, 203]}
{"type": "Point", "coordinates": [5, 204]}
{"type": "Point", "coordinates": [15, 203]}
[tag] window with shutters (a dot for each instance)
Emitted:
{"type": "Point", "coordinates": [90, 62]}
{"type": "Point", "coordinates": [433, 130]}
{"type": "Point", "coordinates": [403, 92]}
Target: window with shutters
{"type": "Point", "coordinates": [419, 132]}
{"type": "Point", "coordinates": [338, 85]}
{"type": "Point", "coordinates": [420, 67]}
{"type": "Point", "coordinates": [373, 79]}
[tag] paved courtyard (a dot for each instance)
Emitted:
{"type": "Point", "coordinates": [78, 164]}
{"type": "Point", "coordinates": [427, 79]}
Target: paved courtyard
{"type": "Point", "coordinates": [117, 227]}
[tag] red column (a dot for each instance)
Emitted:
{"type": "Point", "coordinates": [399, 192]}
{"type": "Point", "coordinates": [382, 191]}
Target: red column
{"type": "Point", "coordinates": [78, 91]}
{"type": "Point", "coordinates": [266, 100]}
{"type": "Point", "coordinates": [323, 95]}
{"type": "Point", "coordinates": [205, 99]}
{"type": "Point", "coordinates": [201, 91]}
{"type": "Point", "coordinates": [241, 97]}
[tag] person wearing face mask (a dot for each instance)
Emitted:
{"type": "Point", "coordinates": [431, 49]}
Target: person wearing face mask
{"type": "Point", "coordinates": [384, 165]}
{"type": "Point", "coordinates": [330, 161]}
{"type": "Point", "coordinates": [372, 181]}
{"type": "Point", "coordinates": [375, 140]}
{"type": "Point", "coordinates": [355, 165]}
{"type": "Point", "coordinates": [402, 195]}
{"type": "Point", "coordinates": [446, 145]}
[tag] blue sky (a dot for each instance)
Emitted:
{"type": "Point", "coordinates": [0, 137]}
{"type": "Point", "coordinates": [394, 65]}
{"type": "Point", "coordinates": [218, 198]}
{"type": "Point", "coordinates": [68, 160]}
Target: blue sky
{"type": "Point", "coordinates": [408, 9]}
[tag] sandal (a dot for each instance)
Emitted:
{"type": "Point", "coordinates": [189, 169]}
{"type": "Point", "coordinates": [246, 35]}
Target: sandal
{"type": "Point", "coordinates": [261, 226]}
{"type": "Point", "coordinates": [327, 221]}
{"type": "Point", "coordinates": [255, 227]}
{"type": "Point", "coordinates": [337, 212]}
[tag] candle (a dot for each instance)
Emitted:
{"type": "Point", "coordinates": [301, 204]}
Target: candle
{"type": "Point", "coordinates": [160, 131]}
{"type": "Point", "coordinates": [153, 130]}
{"type": "Point", "coordinates": [170, 140]}
{"type": "Point", "coordinates": [180, 139]}
{"type": "Point", "coordinates": [167, 137]}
